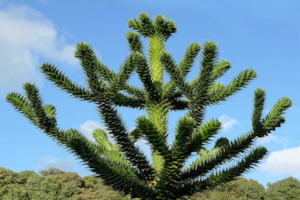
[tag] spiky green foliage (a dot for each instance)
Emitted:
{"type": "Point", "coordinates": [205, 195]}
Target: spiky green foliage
{"type": "Point", "coordinates": [120, 162]}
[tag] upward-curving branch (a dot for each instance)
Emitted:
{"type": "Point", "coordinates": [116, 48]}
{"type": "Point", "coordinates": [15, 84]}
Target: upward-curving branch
{"type": "Point", "coordinates": [122, 164]}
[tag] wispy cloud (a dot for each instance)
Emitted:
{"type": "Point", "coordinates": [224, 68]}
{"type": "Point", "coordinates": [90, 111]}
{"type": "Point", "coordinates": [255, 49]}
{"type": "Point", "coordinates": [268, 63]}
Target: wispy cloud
{"type": "Point", "coordinates": [26, 36]}
{"type": "Point", "coordinates": [42, 1]}
{"type": "Point", "coordinates": [68, 165]}
{"type": "Point", "coordinates": [145, 148]}
{"type": "Point", "coordinates": [228, 122]}
{"type": "Point", "coordinates": [295, 109]}
{"type": "Point", "coordinates": [62, 164]}
{"type": "Point", "coordinates": [87, 128]}
{"type": "Point", "coordinates": [285, 162]}
{"type": "Point", "coordinates": [273, 139]}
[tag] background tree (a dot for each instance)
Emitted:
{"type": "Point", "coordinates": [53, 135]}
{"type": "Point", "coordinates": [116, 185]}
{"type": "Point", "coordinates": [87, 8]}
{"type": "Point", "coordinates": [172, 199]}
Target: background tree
{"type": "Point", "coordinates": [240, 188]}
{"type": "Point", "coordinates": [11, 186]}
{"type": "Point", "coordinates": [288, 188]}
{"type": "Point", "coordinates": [33, 186]}
{"type": "Point", "coordinates": [51, 171]}
{"type": "Point", "coordinates": [123, 165]}
{"type": "Point", "coordinates": [56, 185]}
{"type": "Point", "coordinates": [244, 189]}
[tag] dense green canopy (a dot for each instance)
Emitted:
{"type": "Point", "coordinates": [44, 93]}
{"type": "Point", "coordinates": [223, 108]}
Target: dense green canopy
{"type": "Point", "coordinates": [54, 184]}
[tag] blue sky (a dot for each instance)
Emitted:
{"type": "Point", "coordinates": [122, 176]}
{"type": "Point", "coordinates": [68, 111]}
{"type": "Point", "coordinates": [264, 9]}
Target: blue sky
{"type": "Point", "coordinates": [264, 36]}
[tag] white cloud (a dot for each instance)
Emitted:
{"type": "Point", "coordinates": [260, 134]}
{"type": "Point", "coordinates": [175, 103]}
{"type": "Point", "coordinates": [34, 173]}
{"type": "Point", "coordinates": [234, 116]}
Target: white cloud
{"type": "Point", "coordinates": [25, 37]}
{"type": "Point", "coordinates": [286, 162]}
{"type": "Point", "coordinates": [88, 127]}
{"type": "Point", "coordinates": [227, 122]}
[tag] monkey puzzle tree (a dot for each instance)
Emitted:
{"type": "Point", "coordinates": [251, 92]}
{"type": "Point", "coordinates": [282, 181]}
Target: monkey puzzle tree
{"type": "Point", "coordinates": [123, 165]}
